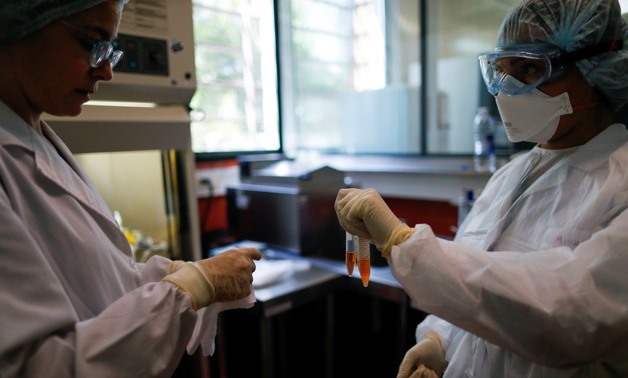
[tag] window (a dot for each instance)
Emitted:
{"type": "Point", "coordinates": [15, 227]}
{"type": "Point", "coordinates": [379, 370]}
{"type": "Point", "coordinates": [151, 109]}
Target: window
{"type": "Point", "coordinates": [343, 86]}
{"type": "Point", "coordinates": [457, 33]}
{"type": "Point", "coordinates": [235, 107]}
{"type": "Point", "coordinates": [355, 76]}
{"type": "Point", "coordinates": [352, 74]}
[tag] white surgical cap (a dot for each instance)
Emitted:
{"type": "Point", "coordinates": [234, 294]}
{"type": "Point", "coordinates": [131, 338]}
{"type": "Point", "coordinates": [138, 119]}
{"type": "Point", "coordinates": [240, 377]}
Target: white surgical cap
{"type": "Point", "coordinates": [27, 16]}
{"type": "Point", "coordinates": [572, 25]}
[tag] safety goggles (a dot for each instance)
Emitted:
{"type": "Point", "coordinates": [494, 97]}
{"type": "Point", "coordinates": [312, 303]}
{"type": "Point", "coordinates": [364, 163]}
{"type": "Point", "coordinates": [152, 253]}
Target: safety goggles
{"type": "Point", "coordinates": [100, 50]}
{"type": "Point", "coordinates": [532, 65]}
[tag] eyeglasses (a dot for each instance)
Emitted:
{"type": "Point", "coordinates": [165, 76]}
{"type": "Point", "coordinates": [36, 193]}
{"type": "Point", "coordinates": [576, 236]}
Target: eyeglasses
{"type": "Point", "coordinates": [532, 65]}
{"type": "Point", "coordinates": [101, 50]}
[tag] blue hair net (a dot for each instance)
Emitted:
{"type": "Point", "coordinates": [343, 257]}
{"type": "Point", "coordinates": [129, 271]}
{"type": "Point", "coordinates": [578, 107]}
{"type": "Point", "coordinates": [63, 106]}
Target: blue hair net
{"type": "Point", "coordinates": [572, 25]}
{"type": "Point", "coordinates": [22, 17]}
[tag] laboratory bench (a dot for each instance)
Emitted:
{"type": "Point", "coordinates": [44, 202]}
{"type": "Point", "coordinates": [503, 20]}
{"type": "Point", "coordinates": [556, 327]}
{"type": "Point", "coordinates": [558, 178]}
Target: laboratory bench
{"type": "Point", "coordinates": [317, 322]}
{"type": "Point", "coordinates": [412, 177]}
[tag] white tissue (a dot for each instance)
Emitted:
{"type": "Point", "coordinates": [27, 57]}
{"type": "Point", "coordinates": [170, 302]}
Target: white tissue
{"type": "Point", "coordinates": [269, 272]}
{"type": "Point", "coordinates": [206, 324]}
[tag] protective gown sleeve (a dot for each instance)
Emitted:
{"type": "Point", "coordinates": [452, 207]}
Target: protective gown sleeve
{"type": "Point", "coordinates": [559, 307]}
{"type": "Point", "coordinates": [142, 334]}
{"type": "Point", "coordinates": [154, 269]}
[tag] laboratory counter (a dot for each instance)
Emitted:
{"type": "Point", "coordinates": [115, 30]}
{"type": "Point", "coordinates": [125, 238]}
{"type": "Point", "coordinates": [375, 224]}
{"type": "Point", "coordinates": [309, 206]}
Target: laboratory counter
{"type": "Point", "coordinates": [420, 177]}
{"type": "Point", "coordinates": [382, 283]}
{"type": "Point", "coordinates": [316, 314]}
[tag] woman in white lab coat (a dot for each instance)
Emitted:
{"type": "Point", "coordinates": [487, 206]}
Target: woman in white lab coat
{"type": "Point", "coordinates": [74, 302]}
{"type": "Point", "coordinates": [535, 283]}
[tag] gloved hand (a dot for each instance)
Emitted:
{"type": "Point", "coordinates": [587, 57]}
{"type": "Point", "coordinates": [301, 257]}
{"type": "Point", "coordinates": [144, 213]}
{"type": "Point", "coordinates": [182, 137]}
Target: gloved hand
{"type": "Point", "coordinates": [364, 213]}
{"type": "Point", "coordinates": [223, 278]}
{"type": "Point", "coordinates": [176, 265]}
{"type": "Point", "coordinates": [424, 360]}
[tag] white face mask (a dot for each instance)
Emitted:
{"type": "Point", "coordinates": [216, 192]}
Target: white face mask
{"type": "Point", "coordinates": [533, 116]}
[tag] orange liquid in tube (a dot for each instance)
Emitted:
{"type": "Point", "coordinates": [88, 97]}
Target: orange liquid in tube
{"type": "Point", "coordinates": [350, 255]}
{"type": "Point", "coordinates": [364, 261]}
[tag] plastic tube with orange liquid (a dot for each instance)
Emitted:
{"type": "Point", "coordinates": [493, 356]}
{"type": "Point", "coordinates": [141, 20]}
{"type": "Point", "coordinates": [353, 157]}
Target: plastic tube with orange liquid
{"type": "Point", "coordinates": [364, 261]}
{"type": "Point", "coordinates": [350, 255]}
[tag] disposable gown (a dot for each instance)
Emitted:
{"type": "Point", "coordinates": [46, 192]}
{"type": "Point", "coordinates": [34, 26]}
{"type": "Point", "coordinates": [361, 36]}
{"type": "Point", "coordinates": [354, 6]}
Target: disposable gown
{"type": "Point", "coordinates": [536, 282]}
{"type": "Point", "coordinates": [74, 302]}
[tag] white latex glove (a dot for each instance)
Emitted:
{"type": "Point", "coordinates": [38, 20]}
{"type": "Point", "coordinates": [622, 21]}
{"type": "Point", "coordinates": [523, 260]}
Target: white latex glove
{"type": "Point", "coordinates": [222, 278]}
{"type": "Point", "coordinates": [364, 213]}
{"type": "Point", "coordinates": [205, 329]}
{"type": "Point", "coordinates": [424, 360]}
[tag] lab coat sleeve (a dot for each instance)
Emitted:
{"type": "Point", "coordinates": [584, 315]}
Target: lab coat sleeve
{"type": "Point", "coordinates": [147, 341]}
{"type": "Point", "coordinates": [142, 334]}
{"type": "Point", "coordinates": [154, 269]}
{"type": "Point", "coordinates": [558, 307]}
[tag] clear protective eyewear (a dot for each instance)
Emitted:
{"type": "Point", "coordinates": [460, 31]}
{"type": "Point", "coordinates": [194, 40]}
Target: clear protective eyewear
{"type": "Point", "coordinates": [532, 65]}
{"type": "Point", "coordinates": [101, 50]}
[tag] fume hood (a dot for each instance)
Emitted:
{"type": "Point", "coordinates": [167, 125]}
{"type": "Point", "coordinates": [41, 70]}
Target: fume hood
{"type": "Point", "coordinates": [133, 138]}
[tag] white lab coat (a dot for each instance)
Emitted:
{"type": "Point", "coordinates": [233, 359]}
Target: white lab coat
{"type": "Point", "coordinates": [74, 303]}
{"type": "Point", "coordinates": [552, 299]}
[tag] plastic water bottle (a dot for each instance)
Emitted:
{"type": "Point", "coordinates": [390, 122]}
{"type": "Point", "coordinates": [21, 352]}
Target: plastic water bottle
{"type": "Point", "coordinates": [484, 141]}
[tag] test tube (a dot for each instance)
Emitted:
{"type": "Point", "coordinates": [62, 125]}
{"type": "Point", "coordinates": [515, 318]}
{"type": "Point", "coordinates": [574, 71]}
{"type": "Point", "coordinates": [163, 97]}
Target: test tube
{"type": "Point", "coordinates": [350, 255]}
{"type": "Point", "coordinates": [364, 261]}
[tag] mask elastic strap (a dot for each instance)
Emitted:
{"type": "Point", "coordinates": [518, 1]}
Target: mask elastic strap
{"type": "Point", "coordinates": [587, 52]}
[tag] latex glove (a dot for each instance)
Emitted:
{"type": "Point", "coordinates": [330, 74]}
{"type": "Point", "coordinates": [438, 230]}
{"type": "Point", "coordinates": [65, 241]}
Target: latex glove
{"type": "Point", "coordinates": [424, 360]}
{"type": "Point", "coordinates": [176, 265]}
{"type": "Point", "coordinates": [222, 278]}
{"type": "Point", "coordinates": [364, 213]}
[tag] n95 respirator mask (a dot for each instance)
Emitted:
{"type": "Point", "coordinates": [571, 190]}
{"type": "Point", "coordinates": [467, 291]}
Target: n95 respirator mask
{"type": "Point", "coordinates": [532, 116]}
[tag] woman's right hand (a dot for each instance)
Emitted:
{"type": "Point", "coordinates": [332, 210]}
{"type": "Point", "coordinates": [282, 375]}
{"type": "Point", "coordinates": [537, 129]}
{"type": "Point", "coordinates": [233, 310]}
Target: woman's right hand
{"type": "Point", "coordinates": [231, 272]}
{"type": "Point", "coordinates": [221, 278]}
{"type": "Point", "coordinates": [363, 212]}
